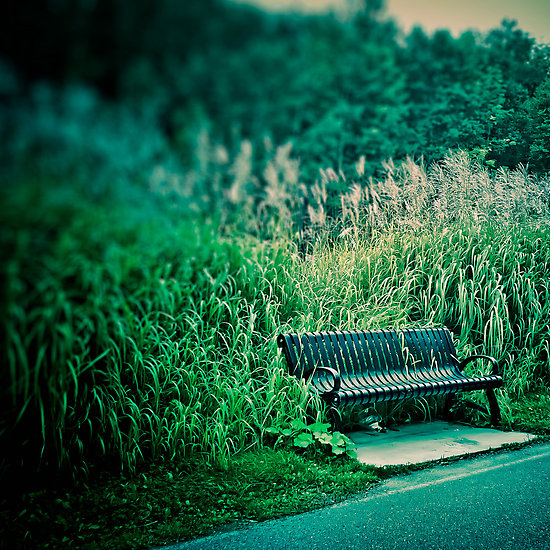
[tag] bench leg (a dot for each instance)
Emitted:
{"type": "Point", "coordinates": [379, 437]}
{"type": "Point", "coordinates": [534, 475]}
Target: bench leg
{"type": "Point", "coordinates": [493, 407]}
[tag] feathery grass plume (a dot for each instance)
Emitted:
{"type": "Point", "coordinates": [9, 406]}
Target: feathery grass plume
{"type": "Point", "coordinates": [317, 205]}
{"type": "Point", "coordinates": [280, 206]}
{"type": "Point", "coordinates": [456, 189]}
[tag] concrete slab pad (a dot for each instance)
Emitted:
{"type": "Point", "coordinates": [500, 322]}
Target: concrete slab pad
{"type": "Point", "coordinates": [416, 443]}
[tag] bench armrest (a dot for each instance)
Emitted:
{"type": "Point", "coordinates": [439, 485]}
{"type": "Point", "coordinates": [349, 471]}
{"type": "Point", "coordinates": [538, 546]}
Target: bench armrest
{"type": "Point", "coordinates": [492, 360]}
{"type": "Point", "coordinates": [332, 372]}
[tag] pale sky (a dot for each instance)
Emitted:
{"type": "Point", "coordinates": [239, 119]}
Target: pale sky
{"type": "Point", "coordinates": [533, 16]}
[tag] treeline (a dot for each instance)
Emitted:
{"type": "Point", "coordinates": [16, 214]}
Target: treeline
{"type": "Point", "coordinates": [337, 89]}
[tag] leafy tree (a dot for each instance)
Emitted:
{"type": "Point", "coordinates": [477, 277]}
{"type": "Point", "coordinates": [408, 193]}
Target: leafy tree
{"type": "Point", "coordinates": [538, 126]}
{"type": "Point", "coordinates": [522, 68]}
{"type": "Point", "coordinates": [356, 96]}
{"type": "Point", "coordinates": [339, 90]}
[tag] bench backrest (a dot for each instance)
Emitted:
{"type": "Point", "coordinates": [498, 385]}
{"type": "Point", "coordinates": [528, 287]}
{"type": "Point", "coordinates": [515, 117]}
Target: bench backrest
{"type": "Point", "coordinates": [354, 352]}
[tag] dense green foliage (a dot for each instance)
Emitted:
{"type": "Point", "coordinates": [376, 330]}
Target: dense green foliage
{"type": "Point", "coordinates": [156, 237]}
{"type": "Point", "coordinates": [338, 89]}
{"type": "Point", "coordinates": [131, 335]}
{"type": "Point", "coordinates": [135, 337]}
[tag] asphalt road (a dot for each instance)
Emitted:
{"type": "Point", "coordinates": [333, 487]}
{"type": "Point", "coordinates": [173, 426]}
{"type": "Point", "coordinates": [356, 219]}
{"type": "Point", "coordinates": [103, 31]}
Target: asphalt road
{"type": "Point", "coordinates": [496, 501]}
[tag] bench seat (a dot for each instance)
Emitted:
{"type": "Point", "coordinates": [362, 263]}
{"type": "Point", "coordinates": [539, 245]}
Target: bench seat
{"type": "Point", "coordinates": [364, 367]}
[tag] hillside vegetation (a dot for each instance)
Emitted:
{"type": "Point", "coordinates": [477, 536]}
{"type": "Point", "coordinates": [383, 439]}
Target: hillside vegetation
{"type": "Point", "coordinates": [133, 334]}
{"type": "Point", "coordinates": [164, 219]}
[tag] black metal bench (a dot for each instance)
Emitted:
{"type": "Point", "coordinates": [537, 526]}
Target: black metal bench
{"type": "Point", "coordinates": [364, 367]}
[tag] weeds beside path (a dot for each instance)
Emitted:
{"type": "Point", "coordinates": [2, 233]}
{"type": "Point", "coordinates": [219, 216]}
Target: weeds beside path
{"type": "Point", "coordinates": [496, 500]}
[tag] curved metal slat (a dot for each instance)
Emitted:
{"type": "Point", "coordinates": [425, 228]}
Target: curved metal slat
{"type": "Point", "coordinates": [361, 368]}
{"type": "Point", "coordinates": [339, 345]}
{"type": "Point", "coordinates": [425, 370]}
{"type": "Point", "coordinates": [392, 367]}
{"type": "Point", "coordinates": [357, 366]}
{"type": "Point", "coordinates": [368, 366]}
{"type": "Point", "coordinates": [442, 342]}
{"type": "Point", "coordinates": [395, 343]}
{"type": "Point", "coordinates": [322, 357]}
{"type": "Point", "coordinates": [333, 347]}
{"type": "Point", "coordinates": [376, 373]}
{"type": "Point", "coordinates": [284, 341]}
{"type": "Point", "coordinates": [301, 359]}
{"type": "Point", "coordinates": [442, 350]}
{"type": "Point", "coordinates": [327, 356]}
{"type": "Point", "coordinates": [430, 362]}
{"type": "Point", "coordinates": [415, 358]}
{"type": "Point", "coordinates": [448, 343]}
{"type": "Point", "coordinates": [310, 351]}
{"type": "Point", "coordinates": [368, 359]}
{"type": "Point", "coordinates": [350, 371]}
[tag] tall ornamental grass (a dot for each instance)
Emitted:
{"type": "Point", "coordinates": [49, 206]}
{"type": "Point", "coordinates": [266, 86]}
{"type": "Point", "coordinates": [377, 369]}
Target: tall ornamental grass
{"type": "Point", "coordinates": [131, 334]}
{"type": "Point", "coordinates": [128, 338]}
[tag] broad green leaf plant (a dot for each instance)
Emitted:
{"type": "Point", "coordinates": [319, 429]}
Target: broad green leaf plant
{"type": "Point", "coordinates": [316, 437]}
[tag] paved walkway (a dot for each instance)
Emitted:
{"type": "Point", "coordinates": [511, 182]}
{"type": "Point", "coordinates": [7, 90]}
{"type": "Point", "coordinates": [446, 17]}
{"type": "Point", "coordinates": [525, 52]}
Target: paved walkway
{"type": "Point", "coordinates": [493, 501]}
{"type": "Point", "coordinates": [427, 441]}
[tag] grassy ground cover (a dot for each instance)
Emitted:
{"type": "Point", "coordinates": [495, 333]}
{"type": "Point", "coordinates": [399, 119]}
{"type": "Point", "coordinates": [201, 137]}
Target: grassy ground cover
{"type": "Point", "coordinates": [142, 380]}
{"type": "Point", "coordinates": [179, 501]}
{"type": "Point", "coordinates": [172, 501]}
